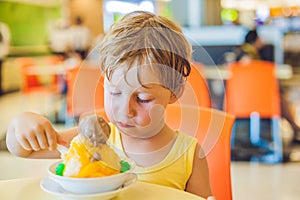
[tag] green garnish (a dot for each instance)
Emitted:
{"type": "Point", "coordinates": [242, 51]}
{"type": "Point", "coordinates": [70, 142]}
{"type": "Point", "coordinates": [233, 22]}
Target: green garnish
{"type": "Point", "coordinates": [60, 169]}
{"type": "Point", "coordinates": [124, 166]}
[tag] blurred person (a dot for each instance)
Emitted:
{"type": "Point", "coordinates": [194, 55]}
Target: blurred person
{"type": "Point", "coordinates": [4, 48]}
{"type": "Point", "coordinates": [254, 48]}
{"type": "Point", "coordinates": [80, 38]}
{"type": "Point", "coordinates": [59, 39]}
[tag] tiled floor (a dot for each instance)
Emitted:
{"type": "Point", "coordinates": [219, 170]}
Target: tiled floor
{"type": "Point", "coordinates": [249, 180]}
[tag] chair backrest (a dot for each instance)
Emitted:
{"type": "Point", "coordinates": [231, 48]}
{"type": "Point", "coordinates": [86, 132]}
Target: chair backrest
{"type": "Point", "coordinates": [252, 87]}
{"type": "Point", "coordinates": [28, 81]}
{"type": "Point", "coordinates": [196, 92]}
{"type": "Point", "coordinates": [84, 90]}
{"type": "Point", "coordinates": [33, 82]}
{"type": "Point", "coordinates": [212, 128]}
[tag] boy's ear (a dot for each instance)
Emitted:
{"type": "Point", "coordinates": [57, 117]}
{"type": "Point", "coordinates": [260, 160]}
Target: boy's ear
{"type": "Point", "coordinates": [176, 94]}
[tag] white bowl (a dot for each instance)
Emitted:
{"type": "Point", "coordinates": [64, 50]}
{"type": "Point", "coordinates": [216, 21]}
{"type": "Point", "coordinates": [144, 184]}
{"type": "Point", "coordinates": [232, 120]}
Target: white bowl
{"type": "Point", "coordinates": [90, 185]}
{"type": "Point", "coordinates": [51, 187]}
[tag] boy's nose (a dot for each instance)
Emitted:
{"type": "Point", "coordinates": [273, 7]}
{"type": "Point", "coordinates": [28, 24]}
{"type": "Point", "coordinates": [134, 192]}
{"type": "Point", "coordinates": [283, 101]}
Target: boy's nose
{"type": "Point", "coordinates": [128, 108]}
{"type": "Point", "coordinates": [130, 113]}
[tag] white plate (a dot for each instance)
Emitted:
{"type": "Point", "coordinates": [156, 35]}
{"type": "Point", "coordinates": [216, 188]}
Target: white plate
{"type": "Point", "coordinates": [50, 186]}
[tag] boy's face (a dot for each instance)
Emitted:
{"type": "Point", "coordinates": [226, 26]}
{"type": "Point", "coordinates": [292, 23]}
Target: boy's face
{"type": "Point", "coordinates": [137, 111]}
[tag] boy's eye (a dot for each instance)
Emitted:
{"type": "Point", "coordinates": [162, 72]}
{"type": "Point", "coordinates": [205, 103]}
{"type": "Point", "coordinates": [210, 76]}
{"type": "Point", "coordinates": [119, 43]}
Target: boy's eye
{"type": "Point", "coordinates": [141, 100]}
{"type": "Point", "coordinates": [115, 93]}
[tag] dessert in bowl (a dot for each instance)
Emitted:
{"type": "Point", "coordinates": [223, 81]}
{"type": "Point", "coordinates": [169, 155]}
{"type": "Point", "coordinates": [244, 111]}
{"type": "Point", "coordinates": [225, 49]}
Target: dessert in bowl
{"type": "Point", "coordinates": [90, 185]}
{"type": "Point", "coordinates": [90, 165]}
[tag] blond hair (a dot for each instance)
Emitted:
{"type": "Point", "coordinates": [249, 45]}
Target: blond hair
{"type": "Point", "coordinates": [144, 38]}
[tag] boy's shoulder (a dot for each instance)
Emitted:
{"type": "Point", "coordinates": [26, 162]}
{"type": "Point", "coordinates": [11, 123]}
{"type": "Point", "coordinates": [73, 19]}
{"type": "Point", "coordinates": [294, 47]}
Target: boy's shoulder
{"type": "Point", "coordinates": [185, 139]}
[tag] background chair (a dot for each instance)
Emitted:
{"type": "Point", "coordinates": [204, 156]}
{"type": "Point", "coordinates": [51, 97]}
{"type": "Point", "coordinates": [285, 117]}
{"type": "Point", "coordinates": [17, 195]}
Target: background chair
{"type": "Point", "coordinates": [33, 82]}
{"type": "Point", "coordinates": [212, 128]}
{"type": "Point", "coordinates": [252, 93]}
{"type": "Point", "coordinates": [196, 91]}
{"type": "Point", "coordinates": [84, 91]}
{"type": "Point", "coordinates": [46, 86]}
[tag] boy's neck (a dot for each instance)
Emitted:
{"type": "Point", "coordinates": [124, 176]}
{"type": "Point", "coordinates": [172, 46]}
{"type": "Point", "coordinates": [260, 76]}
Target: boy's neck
{"type": "Point", "coordinates": [144, 145]}
{"type": "Point", "coordinates": [150, 151]}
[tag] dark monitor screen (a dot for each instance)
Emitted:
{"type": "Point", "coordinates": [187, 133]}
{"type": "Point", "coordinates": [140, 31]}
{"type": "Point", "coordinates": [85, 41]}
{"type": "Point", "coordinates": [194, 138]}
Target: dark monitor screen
{"type": "Point", "coordinates": [212, 55]}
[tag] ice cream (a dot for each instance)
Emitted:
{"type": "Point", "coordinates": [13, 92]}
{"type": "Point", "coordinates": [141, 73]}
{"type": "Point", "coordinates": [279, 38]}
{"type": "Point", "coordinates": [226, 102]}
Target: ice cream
{"type": "Point", "coordinates": [88, 154]}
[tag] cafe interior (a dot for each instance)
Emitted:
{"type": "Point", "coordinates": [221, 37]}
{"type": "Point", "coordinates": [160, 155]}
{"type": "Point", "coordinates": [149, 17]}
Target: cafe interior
{"type": "Point", "coordinates": [43, 71]}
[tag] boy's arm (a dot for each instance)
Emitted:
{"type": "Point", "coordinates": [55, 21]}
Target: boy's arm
{"type": "Point", "coordinates": [32, 136]}
{"type": "Point", "coordinates": [198, 182]}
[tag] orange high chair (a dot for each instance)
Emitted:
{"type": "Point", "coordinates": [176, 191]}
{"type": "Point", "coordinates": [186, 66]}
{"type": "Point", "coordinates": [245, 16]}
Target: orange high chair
{"type": "Point", "coordinates": [212, 128]}
{"type": "Point", "coordinates": [252, 93]}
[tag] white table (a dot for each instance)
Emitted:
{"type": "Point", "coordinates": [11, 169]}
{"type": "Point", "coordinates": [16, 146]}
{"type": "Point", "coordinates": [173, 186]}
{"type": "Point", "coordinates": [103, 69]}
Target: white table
{"type": "Point", "coordinates": [29, 189]}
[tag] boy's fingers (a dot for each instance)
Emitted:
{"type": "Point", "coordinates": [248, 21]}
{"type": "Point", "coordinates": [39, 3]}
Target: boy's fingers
{"type": "Point", "coordinates": [42, 140]}
{"type": "Point", "coordinates": [41, 137]}
{"type": "Point", "coordinates": [33, 142]}
{"type": "Point", "coordinates": [51, 137]}
{"type": "Point", "coordinates": [25, 144]}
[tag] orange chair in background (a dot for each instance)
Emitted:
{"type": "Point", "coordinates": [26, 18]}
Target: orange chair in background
{"type": "Point", "coordinates": [252, 93]}
{"type": "Point", "coordinates": [31, 82]}
{"type": "Point", "coordinates": [196, 92]}
{"type": "Point", "coordinates": [85, 91]}
{"type": "Point", "coordinates": [44, 85]}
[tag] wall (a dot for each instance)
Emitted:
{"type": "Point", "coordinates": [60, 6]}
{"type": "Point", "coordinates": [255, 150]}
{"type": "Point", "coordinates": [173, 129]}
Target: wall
{"type": "Point", "coordinates": [208, 12]}
{"type": "Point", "coordinates": [91, 12]}
{"type": "Point", "coordinates": [27, 22]}
{"type": "Point", "coordinates": [212, 12]}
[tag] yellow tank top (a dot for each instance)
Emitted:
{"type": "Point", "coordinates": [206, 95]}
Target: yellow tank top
{"type": "Point", "coordinates": [173, 171]}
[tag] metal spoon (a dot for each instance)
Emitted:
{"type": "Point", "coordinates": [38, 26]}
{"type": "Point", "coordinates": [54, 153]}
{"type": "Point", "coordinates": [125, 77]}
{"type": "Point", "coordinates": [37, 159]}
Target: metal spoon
{"type": "Point", "coordinates": [62, 149]}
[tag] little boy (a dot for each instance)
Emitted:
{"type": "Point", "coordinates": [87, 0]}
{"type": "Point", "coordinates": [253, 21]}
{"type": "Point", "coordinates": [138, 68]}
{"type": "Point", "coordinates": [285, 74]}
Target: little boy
{"type": "Point", "coordinates": [145, 59]}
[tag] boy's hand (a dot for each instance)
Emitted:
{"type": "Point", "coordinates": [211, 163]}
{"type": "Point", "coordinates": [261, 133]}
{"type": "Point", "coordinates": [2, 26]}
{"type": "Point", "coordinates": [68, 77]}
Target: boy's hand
{"type": "Point", "coordinates": [34, 132]}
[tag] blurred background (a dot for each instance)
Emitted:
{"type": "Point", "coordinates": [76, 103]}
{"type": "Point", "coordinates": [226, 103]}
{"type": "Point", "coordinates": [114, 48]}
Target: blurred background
{"type": "Point", "coordinates": [43, 42]}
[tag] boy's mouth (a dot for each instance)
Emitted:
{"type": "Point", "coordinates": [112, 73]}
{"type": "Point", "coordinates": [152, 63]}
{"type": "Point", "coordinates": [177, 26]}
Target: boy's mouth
{"type": "Point", "coordinates": [124, 125]}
